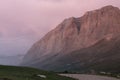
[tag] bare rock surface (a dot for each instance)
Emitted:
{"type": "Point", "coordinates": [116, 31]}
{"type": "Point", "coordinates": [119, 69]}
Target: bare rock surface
{"type": "Point", "coordinates": [79, 41]}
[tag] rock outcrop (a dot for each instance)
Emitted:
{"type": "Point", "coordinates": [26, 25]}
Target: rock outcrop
{"type": "Point", "coordinates": [90, 37]}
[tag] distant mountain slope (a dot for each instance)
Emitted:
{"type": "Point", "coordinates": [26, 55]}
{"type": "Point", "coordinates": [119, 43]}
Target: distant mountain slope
{"type": "Point", "coordinates": [90, 41]}
{"type": "Point", "coordinates": [11, 60]}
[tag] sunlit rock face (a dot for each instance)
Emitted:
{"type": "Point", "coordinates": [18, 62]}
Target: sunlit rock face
{"type": "Point", "coordinates": [75, 34]}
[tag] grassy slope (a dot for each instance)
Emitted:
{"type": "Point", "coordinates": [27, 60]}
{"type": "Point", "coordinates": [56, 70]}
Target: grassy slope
{"type": "Point", "coordinates": [24, 73]}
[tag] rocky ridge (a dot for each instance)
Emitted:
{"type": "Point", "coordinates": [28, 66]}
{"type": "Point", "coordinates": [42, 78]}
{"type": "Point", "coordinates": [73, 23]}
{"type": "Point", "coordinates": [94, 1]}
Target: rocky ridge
{"type": "Point", "coordinates": [76, 35]}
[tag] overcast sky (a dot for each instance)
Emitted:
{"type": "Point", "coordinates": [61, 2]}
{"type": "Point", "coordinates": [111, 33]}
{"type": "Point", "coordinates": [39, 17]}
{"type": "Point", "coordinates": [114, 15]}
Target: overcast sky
{"type": "Point", "coordinates": [23, 22]}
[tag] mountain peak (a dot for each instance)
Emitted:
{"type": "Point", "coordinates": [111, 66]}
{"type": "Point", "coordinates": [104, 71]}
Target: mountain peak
{"type": "Point", "coordinates": [104, 10]}
{"type": "Point", "coordinates": [109, 7]}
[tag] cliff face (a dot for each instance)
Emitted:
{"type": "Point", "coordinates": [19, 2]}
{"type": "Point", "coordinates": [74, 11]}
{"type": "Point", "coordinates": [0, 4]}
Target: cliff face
{"type": "Point", "coordinates": [74, 34]}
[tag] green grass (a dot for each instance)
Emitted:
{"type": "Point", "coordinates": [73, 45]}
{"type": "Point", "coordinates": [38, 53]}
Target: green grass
{"type": "Point", "coordinates": [25, 73]}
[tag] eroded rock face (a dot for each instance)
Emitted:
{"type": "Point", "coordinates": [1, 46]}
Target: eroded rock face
{"type": "Point", "coordinates": [74, 34]}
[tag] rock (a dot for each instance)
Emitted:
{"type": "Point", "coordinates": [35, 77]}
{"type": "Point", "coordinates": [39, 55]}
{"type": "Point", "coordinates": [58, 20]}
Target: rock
{"type": "Point", "coordinates": [95, 28]}
{"type": "Point", "coordinates": [42, 76]}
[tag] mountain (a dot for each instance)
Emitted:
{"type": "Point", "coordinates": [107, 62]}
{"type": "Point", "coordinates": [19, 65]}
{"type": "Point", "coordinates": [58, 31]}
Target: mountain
{"type": "Point", "coordinates": [85, 43]}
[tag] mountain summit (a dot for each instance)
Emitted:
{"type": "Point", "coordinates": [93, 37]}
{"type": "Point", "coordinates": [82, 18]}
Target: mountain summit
{"type": "Point", "coordinates": [88, 42]}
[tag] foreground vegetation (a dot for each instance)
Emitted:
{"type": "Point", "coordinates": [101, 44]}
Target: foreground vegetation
{"type": "Point", "coordinates": [25, 73]}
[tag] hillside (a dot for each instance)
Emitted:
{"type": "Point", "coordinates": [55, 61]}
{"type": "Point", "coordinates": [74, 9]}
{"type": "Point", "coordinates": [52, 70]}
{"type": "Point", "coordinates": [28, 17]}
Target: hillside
{"type": "Point", "coordinates": [25, 73]}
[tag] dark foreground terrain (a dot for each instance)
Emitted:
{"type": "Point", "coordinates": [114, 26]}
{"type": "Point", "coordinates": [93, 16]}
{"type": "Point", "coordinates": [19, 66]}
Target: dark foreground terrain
{"type": "Point", "coordinates": [24, 73]}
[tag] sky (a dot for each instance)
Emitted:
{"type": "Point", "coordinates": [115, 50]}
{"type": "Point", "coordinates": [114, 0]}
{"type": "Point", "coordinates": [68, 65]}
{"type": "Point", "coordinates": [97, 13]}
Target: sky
{"type": "Point", "coordinates": [23, 22]}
